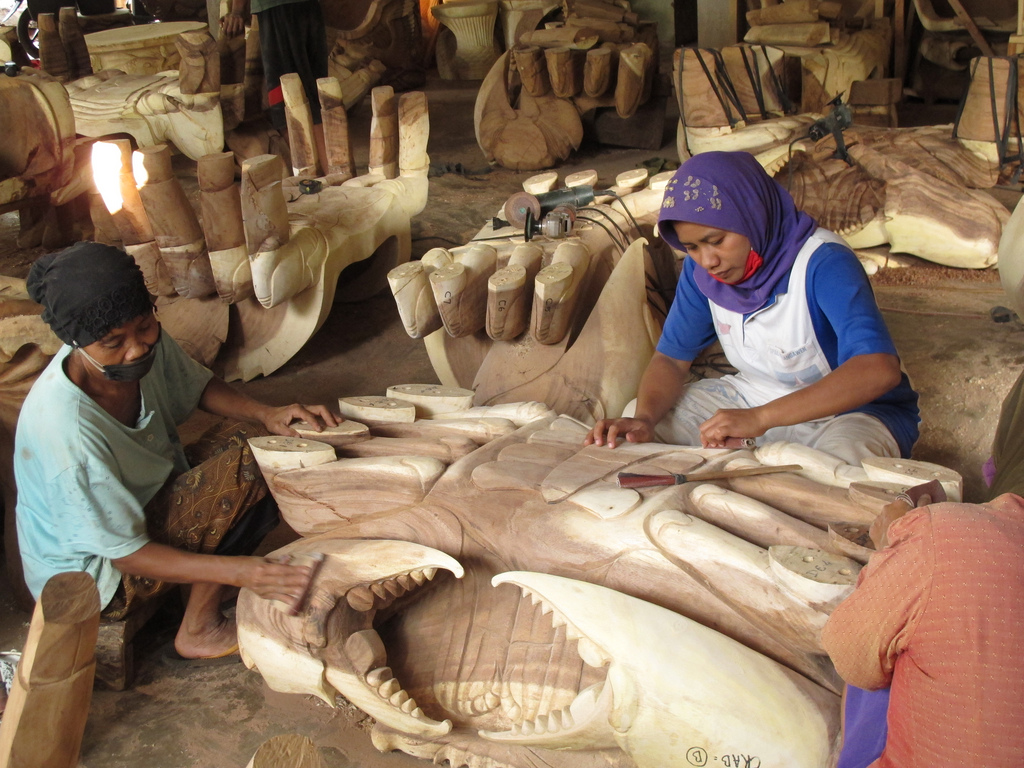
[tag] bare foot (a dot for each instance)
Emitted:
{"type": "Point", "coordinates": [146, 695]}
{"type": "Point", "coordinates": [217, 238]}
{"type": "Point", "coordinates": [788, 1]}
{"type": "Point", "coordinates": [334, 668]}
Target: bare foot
{"type": "Point", "coordinates": [208, 643]}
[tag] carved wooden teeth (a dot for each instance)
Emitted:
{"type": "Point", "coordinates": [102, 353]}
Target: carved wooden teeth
{"type": "Point", "coordinates": [387, 686]}
{"type": "Point", "coordinates": [381, 593]}
{"type": "Point", "coordinates": [556, 721]}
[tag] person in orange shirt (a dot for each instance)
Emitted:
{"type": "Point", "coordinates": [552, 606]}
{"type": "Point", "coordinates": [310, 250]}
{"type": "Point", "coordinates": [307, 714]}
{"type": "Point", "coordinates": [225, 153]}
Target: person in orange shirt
{"type": "Point", "coordinates": [938, 617]}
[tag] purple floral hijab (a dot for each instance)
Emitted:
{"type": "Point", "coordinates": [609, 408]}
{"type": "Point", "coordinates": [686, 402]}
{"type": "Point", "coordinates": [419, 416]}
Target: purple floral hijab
{"type": "Point", "coordinates": [731, 191]}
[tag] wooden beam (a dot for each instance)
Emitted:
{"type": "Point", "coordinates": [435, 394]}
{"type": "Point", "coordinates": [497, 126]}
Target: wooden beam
{"type": "Point", "coordinates": [971, 27]}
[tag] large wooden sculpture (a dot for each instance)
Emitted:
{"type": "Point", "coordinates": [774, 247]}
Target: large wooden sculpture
{"type": "Point", "coordinates": [570, 322]}
{"type": "Point", "coordinates": [272, 247]}
{"type": "Point", "coordinates": [917, 190]}
{"type": "Point", "coordinates": [43, 166]}
{"type": "Point", "coordinates": [595, 641]}
{"type": "Point", "coordinates": [528, 109]}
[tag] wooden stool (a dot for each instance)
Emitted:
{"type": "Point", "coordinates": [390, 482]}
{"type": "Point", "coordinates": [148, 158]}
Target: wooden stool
{"type": "Point", "coordinates": [144, 49]}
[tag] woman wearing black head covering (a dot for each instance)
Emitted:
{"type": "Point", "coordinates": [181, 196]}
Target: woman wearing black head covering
{"type": "Point", "coordinates": [104, 485]}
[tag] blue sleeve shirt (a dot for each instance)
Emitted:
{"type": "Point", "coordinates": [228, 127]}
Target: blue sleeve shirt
{"type": "Point", "coordinates": [846, 322]}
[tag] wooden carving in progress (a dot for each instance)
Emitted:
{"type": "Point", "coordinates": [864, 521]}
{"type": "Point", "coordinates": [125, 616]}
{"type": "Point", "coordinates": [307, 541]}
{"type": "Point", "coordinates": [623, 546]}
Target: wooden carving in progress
{"type": "Point", "coordinates": [271, 249]}
{"type": "Point", "coordinates": [527, 113]}
{"type": "Point", "coordinates": [41, 164]}
{"type": "Point", "coordinates": [440, 616]}
{"type": "Point", "coordinates": [567, 321]}
{"type": "Point", "coordinates": [917, 190]}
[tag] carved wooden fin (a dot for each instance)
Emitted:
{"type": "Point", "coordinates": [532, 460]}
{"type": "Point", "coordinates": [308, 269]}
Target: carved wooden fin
{"type": "Point", "coordinates": [337, 138]}
{"type": "Point", "coordinates": [460, 290]}
{"type": "Point", "coordinates": [384, 132]}
{"type": "Point", "coordinates": [264, 208]}
{"type": "Point", "coordinates": [74, 42]}
{"type": "Point", "coordinates": [199, 68]}
{"type": "Point", "coordinates": [175, 224]}
{"type": "Point", "coordinates": [221, 206]}
{"type": "Point", "coordinates": [299, 117]}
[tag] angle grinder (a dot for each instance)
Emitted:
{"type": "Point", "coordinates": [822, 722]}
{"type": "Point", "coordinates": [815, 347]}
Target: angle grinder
{"type": "Point", "coordinates": [551, 214]}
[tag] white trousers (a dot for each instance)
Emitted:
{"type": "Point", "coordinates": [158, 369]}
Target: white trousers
{"type": "Point", "coordinates": [851, 437]}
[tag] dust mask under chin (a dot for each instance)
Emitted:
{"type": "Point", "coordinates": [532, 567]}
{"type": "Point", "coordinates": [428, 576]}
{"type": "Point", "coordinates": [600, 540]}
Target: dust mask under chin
{"type": "Point", "coordinates": [132, 371]}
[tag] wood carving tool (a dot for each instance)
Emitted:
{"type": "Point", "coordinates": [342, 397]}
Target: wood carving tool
{"type": "Point", "coordinates": [632, 480]}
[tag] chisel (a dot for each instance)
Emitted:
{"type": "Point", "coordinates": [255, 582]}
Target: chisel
{"type": "Point", "coordinates": [632, 480]}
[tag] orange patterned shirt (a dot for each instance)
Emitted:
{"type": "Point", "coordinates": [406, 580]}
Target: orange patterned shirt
{"type": "Point", "coordinates": [939, 616]}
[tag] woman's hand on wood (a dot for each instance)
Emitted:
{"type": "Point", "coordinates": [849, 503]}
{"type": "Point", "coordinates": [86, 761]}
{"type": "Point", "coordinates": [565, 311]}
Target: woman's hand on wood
{"type": "Point", "coordinates": [731, 422]}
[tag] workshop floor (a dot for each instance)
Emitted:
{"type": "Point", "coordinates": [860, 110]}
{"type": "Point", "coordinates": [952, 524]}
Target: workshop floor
{"type": "Point", "coordinates": [961, 362]}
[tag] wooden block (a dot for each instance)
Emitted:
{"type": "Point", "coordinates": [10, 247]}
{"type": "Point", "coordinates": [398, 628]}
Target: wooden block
{"type": "Point", "coordinates": [432, 399]}
{"type": "Point", "coordinates": [348, 431]}
{"type": "Point", "coordinates": [815, 33]}
{"type": "Point", "coordinates": [875, 92]}
{"type": "Point", "coordinates": [274, 452]}
{"type": "Point", "coordinates": [373, 408]}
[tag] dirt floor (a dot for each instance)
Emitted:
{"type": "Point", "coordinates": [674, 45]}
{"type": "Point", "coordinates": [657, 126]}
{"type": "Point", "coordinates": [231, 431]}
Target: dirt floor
{"type": "Point", "coordinates": [960, 360]}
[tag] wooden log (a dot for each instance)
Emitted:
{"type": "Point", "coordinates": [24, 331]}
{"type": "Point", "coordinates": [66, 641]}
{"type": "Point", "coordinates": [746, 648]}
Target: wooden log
{"type": "Point", "coordinates": [45, 717]}
{"type": "Point", "coordinates": [175, 224]}
{"type": "Point", "coordinates": [384, 132]}
{"type": "Point", "coordinates": [74, 42]}
{"type": "Point", "coordinates": [299, 117]}
{"type": "Point", "coordinates": [264, 209]}
{"type": "Point", "coordinates": [337, 137]}
{"type": "Point", "coordinates": [221, 207]}
{"type": "Point", "coordinates": [565, 71]}
{"type": "Point", "coordinates": [199, 68]}
{"type": "Point", "coordinates": [804, 35]}
{"type": "Point", "coordinates": [597, 71]}
{"type": "Point", "coordinates": [557, 291]}
{"type": "Point", "coordinates": [607, 31]}
{"type": "Point", "coordinates": [460, 290]}
{"type": "Point", "coordinates": [633, 82]}
{"type": "Point", "coordinates": [413, 132]}
{"type": "Point", "coordinates": [532, 66]}
{"type": "Point", "coordinates": [53, 58]}
{"type": "Point", "coordinates": [790, 12]}
{"type": "Point", "coordinates": [606, 11]}
{"type": "Point", "coordinates": [701, 107]}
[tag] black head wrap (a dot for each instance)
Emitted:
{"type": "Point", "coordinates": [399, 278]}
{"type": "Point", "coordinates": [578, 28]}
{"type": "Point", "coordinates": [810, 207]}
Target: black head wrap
{"type": "Point", "coordinates": [87, 290]}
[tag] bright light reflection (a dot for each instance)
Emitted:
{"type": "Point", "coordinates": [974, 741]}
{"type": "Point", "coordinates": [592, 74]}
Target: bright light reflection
{"type": "Point", "coordinates": [106, 173]}
{"type": "Point", "coordinates": [139, 170]}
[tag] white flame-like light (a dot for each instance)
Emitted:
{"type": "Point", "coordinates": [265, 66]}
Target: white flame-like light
{"type": "Point", "coordinates": [106, 173]}
{"type": "Point", "coordinates": [139, 170]}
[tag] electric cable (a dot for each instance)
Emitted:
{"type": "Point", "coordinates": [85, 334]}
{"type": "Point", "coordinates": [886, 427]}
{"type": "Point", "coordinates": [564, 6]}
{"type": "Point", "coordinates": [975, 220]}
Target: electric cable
{"type": "Point", "coordinates": [626, 239]}
{"type": "Point", "coordinates": [608, 231]}
{"type": "Point", "coordinates": [613, 193]}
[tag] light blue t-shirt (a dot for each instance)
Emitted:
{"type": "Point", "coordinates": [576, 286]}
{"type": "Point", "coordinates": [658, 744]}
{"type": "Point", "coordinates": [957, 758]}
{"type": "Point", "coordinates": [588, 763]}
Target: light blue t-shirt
{"type": "Point", "coordinates": [83, 477]}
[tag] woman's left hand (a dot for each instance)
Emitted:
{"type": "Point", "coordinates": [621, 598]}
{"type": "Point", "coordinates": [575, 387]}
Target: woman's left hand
{"type": "Point", "coordinates": [277, 420]}
{"type": "Point", "coordinates": [731, 422]}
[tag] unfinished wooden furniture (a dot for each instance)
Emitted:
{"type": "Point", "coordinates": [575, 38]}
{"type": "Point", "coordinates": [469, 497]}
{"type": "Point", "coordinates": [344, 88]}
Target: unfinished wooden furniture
{"type": "Point", "coordinates": [466, 47]}
{"type": "Point", "coordinates": [44, 721]}
{"type": "Point", "coordinates": [563, 321]}
{"type": "Point", "coordinates": [470, 670]}
{"type": "Point", "coordinates": [273, 246]}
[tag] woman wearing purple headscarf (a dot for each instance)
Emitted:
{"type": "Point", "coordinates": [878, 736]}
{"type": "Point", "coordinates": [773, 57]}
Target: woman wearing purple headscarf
{"type": "Point", "coordinates": [795, 314]}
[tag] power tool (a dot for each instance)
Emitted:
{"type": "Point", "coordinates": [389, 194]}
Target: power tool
{"type": "Point", "coordinates": [552, 214]}
{"type": "Point", "coordinates": [835, 122]}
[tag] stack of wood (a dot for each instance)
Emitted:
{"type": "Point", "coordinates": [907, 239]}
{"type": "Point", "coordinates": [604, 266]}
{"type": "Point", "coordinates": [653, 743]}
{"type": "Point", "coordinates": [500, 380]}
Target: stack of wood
{"type": "Point", "coordinates": [600, 55]}
{"type": "Point", "coordinates": [797, 22]}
